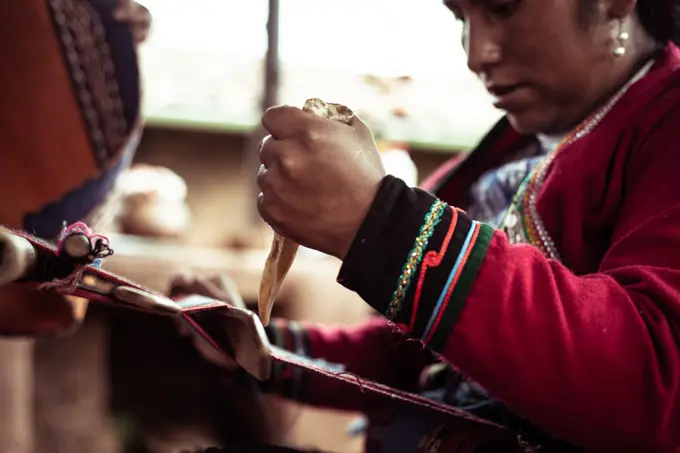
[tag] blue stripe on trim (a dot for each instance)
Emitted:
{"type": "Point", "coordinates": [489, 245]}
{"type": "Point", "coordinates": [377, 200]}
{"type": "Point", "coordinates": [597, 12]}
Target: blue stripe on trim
{"type": "Point", "coordinates": [452, 274]}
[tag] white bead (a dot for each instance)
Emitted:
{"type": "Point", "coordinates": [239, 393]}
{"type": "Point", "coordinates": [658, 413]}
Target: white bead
{"type": "Point", "coordinates": [77, 246]}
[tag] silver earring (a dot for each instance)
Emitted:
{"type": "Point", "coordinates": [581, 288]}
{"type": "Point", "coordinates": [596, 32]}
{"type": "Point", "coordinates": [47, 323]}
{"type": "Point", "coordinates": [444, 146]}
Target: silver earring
{"type": "Point", "coordinates": [621, 39]}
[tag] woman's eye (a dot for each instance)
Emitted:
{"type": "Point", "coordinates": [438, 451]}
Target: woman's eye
{"type": "Point", "coordinates": [503, 8]}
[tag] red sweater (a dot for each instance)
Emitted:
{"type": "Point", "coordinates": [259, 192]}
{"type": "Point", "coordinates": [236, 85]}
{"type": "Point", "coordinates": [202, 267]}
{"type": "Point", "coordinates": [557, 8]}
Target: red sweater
{"type": "Point", "coordinates": [588, 347]}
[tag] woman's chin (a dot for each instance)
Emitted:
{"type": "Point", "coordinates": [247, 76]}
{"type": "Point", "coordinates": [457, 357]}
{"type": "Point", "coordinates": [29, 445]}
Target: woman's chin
{"type": "Point", "coordinates": [536, 121]}
{"type": "Point", "coordinates": [527, 122]}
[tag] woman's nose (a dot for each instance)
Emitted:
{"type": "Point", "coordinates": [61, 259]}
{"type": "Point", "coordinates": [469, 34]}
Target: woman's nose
{"type": "Point", "coordinates": [481, 48]}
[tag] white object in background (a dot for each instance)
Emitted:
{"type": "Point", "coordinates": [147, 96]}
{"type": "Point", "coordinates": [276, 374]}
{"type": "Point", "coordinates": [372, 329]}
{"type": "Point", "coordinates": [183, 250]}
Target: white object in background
{"type": "Point", "coordinates": [162, 182]}
{"type": "Point", "coordinates": [397, 162]}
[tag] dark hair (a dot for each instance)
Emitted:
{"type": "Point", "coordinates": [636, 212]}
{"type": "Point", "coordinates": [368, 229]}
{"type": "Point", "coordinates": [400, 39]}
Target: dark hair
{"type": "Point", "coordinates": [661, 19]}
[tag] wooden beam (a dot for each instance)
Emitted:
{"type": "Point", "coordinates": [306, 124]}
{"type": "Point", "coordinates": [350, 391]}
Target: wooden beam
{"type": "Point", "coordinates": [270, 98]}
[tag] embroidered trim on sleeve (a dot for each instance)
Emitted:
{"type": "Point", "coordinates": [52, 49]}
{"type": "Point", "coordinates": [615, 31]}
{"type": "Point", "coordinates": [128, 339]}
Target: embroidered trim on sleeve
{"type": "Point", "coordinates": [433, 251]}
{"type": "Point", "coordinates": [432, 219]}
{"type": "Point", "coordinates": [432, 260]}
{"type": "Point", "coordinates": [445, 278]}
{"type": "Point", "coordinates": [463, 274]}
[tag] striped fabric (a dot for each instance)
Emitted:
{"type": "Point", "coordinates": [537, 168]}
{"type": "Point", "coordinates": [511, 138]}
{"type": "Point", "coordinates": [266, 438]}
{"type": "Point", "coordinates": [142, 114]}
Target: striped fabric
{"type": "Point", "coordinates": [286, 380]}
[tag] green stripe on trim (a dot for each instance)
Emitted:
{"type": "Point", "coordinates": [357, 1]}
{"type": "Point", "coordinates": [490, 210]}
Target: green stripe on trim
{"type": "Point", "coordinates": [463, 287]}
{"type": "Point", "coordinates": [415, 257]}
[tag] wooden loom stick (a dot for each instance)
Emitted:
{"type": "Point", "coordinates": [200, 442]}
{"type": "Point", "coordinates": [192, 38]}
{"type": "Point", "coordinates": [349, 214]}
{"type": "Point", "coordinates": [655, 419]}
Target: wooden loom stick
{"type": "Point", "coordinates": [17, 257]}
{"type": "Point", "coordinates": [283, 250]}
{"type": "Point", "coordinates": [235, 333]}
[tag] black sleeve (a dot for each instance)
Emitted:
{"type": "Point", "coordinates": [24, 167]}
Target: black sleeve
{"type": "Point", "coordinates": [414, 260]}
{"type": "Point", "coordinates": [377, 256]}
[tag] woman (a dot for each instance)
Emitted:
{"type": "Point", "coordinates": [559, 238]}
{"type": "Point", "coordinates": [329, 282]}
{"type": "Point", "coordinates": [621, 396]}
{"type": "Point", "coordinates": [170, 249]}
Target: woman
{"type": "Point", "coordinates": [563, 305]}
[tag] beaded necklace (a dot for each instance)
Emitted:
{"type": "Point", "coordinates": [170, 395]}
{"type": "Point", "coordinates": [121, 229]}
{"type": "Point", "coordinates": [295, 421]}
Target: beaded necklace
{"type": "Point", "coordinates": [521, 223]}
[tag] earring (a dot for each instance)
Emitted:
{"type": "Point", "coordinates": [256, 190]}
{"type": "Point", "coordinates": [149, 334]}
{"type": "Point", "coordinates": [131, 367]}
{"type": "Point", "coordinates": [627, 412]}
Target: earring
{"type": "Point", "coordinates": [622, 37]}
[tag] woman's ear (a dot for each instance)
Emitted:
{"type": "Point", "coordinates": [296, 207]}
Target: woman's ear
{"type": "Point", "coordinates": [619, 9]}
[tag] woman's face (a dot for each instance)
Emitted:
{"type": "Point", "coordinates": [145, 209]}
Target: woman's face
{"type": "Point", "coordinates": [546, 66]}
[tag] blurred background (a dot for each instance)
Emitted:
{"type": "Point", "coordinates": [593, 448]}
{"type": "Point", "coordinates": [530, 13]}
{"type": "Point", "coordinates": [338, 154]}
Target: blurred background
{"type": "Point", "coordinates": [126, 382]}
{"type": "Point", "coordinates": [398, 63]}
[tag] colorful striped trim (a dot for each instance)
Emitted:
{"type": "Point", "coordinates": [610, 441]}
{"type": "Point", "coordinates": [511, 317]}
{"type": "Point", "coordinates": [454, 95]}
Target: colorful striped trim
{"type": "Point", "coordinates": [452, 281]}
{"type": "Point", "coordinates": [461, 278]}
{"type": "Point", "coordinates": [287, 380]}
{"type": "Point", "coordinates": [432, 260]}
{"type": "Point", "coordinates": [297, 336]}
{"type": "Point", "coordinates": [432, 219]}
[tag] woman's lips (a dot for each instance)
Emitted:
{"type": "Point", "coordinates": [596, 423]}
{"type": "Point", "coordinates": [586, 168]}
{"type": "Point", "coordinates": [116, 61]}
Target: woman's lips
{"type": "Point", "coordinates": [508, 97]}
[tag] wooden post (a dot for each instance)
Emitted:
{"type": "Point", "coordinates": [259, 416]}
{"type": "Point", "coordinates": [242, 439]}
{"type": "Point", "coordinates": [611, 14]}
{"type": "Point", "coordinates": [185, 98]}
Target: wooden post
{"type": "Point", "coordinates": [270, 97]}
{"type": "Point", "coordinates": [271, 74]}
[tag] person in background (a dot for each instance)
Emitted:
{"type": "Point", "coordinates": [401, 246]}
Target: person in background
{"type": "Point", "coordinates": [543, 270]}
{"type": "Point", "coordinates": [57, 167]}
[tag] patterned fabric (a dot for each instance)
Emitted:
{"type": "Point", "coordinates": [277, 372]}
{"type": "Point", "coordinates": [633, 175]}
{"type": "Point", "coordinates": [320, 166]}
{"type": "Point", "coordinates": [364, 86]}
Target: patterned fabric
{"type": "Point", "coordinates": [457, 249]}
{"type": "Point", "coordinates": [286, 380]}
{"type": "Point", "coordinates": [492, 194]}
{"type": "Point", "coordinates": [96, 48]}
{"type": "Point", "coordinates": [80, 90]}
{"type": "Point", "coordinates": [414, 260]}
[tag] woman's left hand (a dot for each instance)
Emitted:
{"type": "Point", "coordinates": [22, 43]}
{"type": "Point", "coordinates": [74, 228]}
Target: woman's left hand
{"type": "Point", "coordinates": [218, 287]}
{"type": "Point", "coordinates": [318, 178]}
